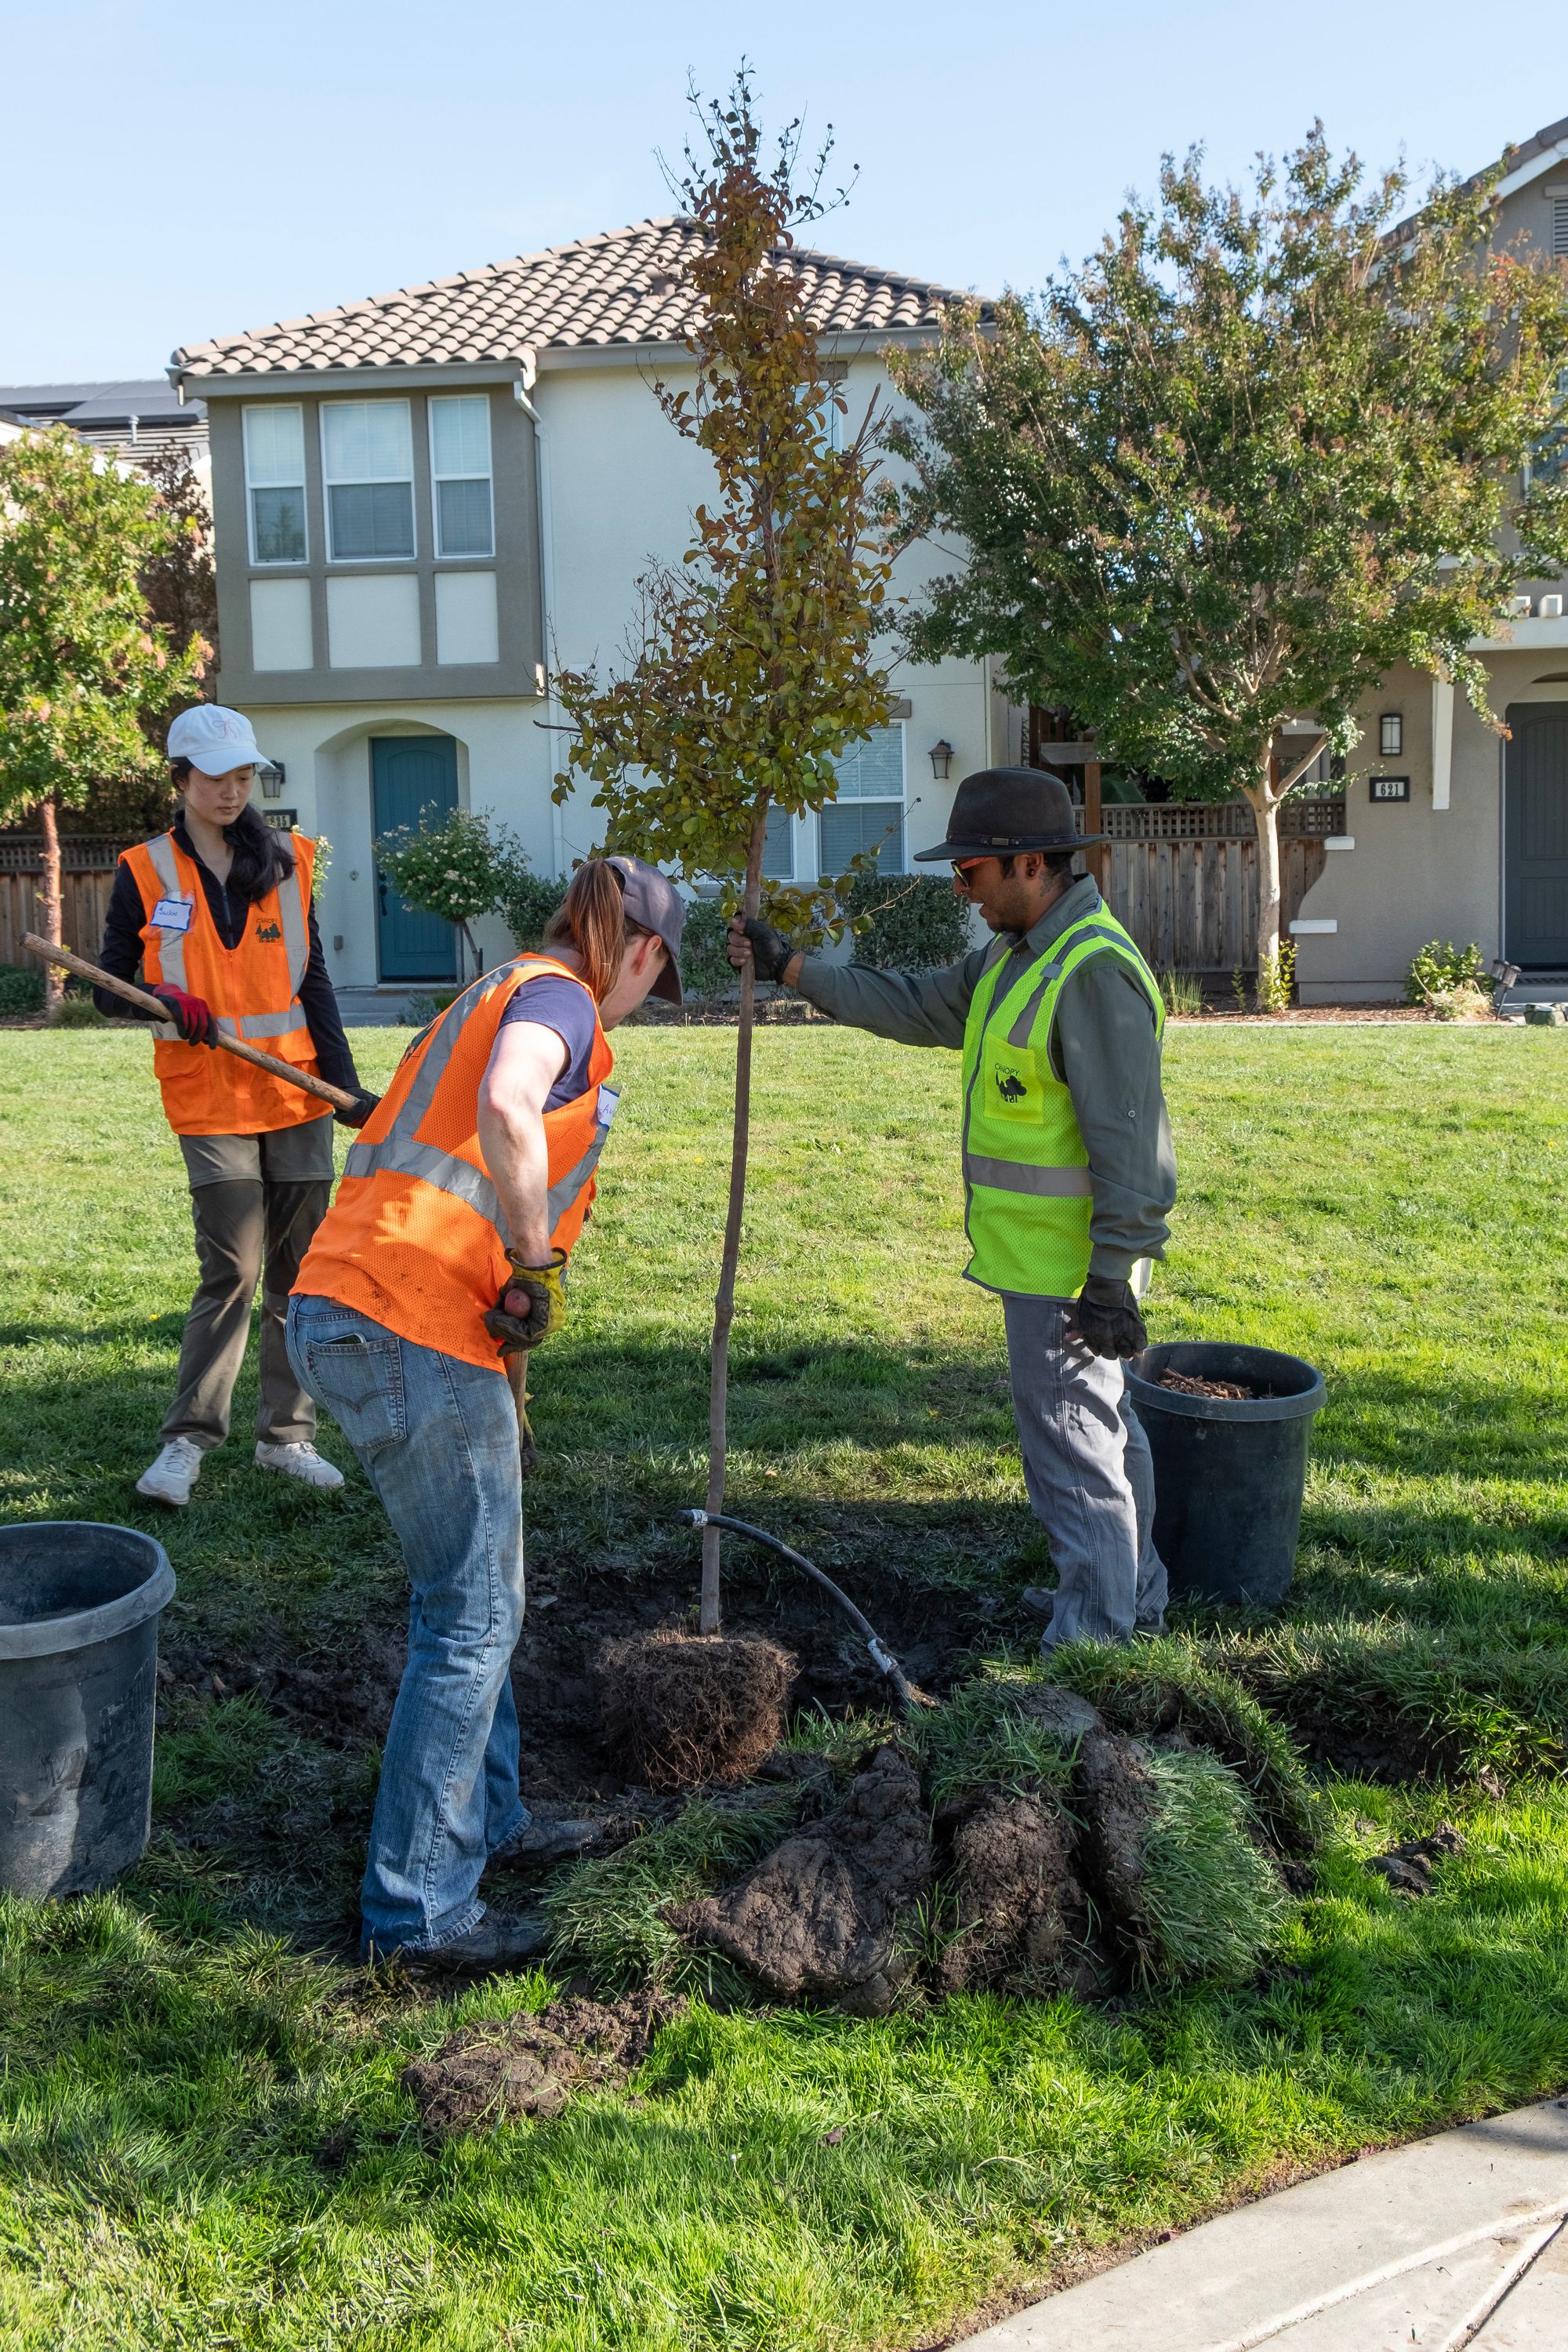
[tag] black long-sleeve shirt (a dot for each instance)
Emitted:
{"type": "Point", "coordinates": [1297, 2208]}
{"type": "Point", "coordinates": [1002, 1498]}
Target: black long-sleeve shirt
{"type": "Point", "coordinates": [121, 955]}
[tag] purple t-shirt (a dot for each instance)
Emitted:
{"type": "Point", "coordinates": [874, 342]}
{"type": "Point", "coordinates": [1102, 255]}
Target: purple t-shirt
{"type": "Point", "coordinates": [568, 1009]}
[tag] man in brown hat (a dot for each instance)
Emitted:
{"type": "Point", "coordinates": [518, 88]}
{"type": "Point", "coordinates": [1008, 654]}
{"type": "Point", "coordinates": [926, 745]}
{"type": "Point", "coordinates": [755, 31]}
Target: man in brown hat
{"type": "Point", "coordinates": [1067, 1167]}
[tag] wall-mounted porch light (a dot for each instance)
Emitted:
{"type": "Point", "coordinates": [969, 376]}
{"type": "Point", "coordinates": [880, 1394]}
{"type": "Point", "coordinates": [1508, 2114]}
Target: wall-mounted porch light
{"type": "Point", "coordinates": [1391, 734]}
{"type": "Point", "coordinates": [272, 776]}
{"type": "Point", "coordinates": [940, 760]}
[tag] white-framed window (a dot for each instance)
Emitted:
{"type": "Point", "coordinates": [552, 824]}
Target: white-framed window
{"type": "Point", "coordinates": [460, 474]}
{"type": "Point", "coordinates": [1560, 223]}
{"type": "Point", "coordinates": [868, 816]}
{"type": "Point", "coordinates": [367, 466]}
{"type": "Point", "coordinates": [275, 482]}
{"type": "Point", "coordinates": [778, 847]}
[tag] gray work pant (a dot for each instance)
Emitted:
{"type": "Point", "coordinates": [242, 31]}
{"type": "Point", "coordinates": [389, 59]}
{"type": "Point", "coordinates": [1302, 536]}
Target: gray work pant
{"type": "Point", "coordinates": [255, 1200]}
{"type": "Point", "coordinates": [1090, 1476]}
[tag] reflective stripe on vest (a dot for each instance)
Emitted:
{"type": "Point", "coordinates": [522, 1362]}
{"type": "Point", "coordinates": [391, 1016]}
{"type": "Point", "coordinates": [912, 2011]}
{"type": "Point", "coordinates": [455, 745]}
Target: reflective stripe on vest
{"type": "Point", "coordinates": [400, 1152]}
{"type": "Point", "coordinates": [296, 949]}
{"type": "Point", "coordinates": [1027, 1186]}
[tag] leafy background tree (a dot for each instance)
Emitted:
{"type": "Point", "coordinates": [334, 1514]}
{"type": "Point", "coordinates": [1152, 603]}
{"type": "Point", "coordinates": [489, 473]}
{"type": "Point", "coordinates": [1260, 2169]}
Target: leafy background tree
{"type": "Point", "coordinates": [83, 665]}
{"type": "Point", "coordinates": [750, 666]}
{"type": "Point", "coordinates": [1257, 450]}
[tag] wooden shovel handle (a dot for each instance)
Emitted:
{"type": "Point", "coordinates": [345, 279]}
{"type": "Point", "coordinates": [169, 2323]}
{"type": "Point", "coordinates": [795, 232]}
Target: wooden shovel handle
{"type": "Point", "coordinates": [159, 1012]}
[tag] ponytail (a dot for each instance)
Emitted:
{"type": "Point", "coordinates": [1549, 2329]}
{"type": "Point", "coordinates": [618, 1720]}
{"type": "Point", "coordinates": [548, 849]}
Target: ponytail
{"type": "Point", "coordinates": [592, 919]}
{"type": "Point", "coordinates": [262, 856]}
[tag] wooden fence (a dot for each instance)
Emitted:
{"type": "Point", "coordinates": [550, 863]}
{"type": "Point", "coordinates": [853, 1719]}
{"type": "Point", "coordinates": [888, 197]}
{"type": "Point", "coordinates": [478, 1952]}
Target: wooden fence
{"type": "Point", "coordinates": [1184, 878]}
{"type": "Point", "coordinates": [87, 878]}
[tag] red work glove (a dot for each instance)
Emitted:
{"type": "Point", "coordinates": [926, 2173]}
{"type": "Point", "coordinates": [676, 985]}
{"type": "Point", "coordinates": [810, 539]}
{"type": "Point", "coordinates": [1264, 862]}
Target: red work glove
{"type": "Point", "coordinates": [192, 1015]}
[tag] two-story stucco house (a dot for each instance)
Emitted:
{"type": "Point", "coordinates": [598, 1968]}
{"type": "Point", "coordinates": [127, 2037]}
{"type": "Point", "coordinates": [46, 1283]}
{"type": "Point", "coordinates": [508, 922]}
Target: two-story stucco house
{"type": "Point", "coordinates": [424, 501]}
{"type": "Point", "coordinates": [1451, 831]}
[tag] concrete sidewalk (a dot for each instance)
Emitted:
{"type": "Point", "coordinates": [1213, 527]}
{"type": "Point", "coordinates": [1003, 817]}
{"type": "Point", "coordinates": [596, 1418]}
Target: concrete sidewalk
{"type": "Point", "coordinates": [1457, 2241]}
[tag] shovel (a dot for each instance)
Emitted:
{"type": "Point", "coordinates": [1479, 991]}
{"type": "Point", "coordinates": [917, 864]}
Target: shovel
{"type": "Point", "coordinates": [139, 997]}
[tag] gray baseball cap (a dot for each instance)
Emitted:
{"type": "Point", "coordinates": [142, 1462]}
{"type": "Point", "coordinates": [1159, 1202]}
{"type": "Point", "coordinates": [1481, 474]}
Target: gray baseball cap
{"type": "Point", "coordinates": [653, 900]}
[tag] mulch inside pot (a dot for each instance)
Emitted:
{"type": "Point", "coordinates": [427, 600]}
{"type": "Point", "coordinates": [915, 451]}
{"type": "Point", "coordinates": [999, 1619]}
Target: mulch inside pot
{"type": "Point", "coordinates": [1191, 1385]}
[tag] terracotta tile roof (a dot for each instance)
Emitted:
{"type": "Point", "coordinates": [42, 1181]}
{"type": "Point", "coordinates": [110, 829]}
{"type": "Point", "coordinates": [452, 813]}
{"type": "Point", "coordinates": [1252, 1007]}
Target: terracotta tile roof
{"type": "Point", "coordinates": [626, 286]}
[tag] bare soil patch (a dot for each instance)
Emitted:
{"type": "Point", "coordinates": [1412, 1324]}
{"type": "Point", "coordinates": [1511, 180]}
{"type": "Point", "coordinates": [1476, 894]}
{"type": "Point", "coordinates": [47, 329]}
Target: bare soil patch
{"type": "Point", "coordinates": [339, 1690]}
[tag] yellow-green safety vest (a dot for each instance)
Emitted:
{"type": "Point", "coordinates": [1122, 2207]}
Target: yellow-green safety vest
{"type": "Point", "coordinates": [1027, 1192]}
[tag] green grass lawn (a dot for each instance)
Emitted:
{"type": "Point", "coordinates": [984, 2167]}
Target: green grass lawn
{"type": "Point", "coordinates": [202, 2141]}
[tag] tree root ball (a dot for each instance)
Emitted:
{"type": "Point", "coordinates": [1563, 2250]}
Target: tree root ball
{"type": "Point", "coordinates": [686, 1708]}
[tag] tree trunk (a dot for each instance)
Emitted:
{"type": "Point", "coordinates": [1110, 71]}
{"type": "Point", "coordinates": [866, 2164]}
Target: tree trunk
{"type": "Point", "coordinates": [1265, 818]}
{"type": "Point", "coordinates": [724, 1303]}
{"type": "Point", "coordinates": [51, 904]}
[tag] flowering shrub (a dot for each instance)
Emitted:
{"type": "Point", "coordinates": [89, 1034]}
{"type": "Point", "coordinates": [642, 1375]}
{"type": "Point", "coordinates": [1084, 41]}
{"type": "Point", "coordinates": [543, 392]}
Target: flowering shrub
{"type": "Point", "coordinates": [452, 868]}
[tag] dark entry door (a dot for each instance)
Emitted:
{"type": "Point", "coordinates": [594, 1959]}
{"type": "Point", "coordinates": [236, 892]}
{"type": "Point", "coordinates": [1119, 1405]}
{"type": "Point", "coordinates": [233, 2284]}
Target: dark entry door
{"type": "Point", "coordinates": [1535, 836]}
{"type": "Point", "coordinates": [411, 776]}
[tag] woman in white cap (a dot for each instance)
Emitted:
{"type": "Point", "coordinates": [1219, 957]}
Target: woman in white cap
{"type": "Point", "coordinates": [217, 915]}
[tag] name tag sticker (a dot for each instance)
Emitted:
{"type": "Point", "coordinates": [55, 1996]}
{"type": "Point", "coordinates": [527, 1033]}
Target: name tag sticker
{"type": "Point", "coordinates": [609, 1103]}
{"type": "Point", "coordinates": [173, 914]}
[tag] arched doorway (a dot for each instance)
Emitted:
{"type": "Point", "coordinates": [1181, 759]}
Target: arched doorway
{"type": "Point", "coordinates": [411, 775]}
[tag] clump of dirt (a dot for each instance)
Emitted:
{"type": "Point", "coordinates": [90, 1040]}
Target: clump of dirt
{"type": "Point", "coordinates": [689, 1708]}
{"type": "Point", "coordinates": [530, 2063]}
{"type": "Point", "coordinates": [1409, 1867]}
{"type": "Point", "coordinates": [1020, 1906]}
{"type": "Point", "coordinates": [1192, 1384]}
{"type": "Point", "coordinates": [820, 1915]}
{"type": "Point", "coordinates": [1115, 1796]}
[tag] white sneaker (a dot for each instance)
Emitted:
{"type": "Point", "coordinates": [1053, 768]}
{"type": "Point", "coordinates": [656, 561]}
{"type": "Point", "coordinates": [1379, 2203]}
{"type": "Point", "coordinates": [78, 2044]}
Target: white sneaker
{"type": "Point", "coordinates": [174, 1474]}
{"type": "Point", "coordinates": [299, 1461]}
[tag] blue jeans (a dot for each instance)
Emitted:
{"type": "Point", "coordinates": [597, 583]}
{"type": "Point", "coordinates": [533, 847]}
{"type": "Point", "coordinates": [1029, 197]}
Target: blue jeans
{"type": "Point", "coordinates": [437, 1439]}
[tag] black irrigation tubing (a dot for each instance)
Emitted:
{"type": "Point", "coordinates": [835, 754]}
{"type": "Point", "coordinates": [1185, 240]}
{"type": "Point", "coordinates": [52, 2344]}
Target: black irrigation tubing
{"type": "Point", "coordinates": [883, 1657]}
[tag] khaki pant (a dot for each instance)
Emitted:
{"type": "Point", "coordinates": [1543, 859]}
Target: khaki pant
{"type": "Point", "coordinates": [255, 1200]}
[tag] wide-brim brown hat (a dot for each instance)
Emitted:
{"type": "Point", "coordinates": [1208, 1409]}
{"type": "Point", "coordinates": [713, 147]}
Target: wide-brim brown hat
{"type": "Point", "coordinates": [1000, 811]}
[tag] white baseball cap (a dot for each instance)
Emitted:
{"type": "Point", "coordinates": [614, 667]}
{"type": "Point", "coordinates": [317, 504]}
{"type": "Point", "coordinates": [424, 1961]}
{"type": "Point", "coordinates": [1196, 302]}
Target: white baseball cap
{"type": "Point", "coordinates": [213, 739]}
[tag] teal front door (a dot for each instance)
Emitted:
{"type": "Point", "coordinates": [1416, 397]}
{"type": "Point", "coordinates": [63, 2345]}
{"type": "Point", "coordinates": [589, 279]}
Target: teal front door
{"type": "Point", "coordinates": [411, 776]}
{"type": "Point", "coordinates": [1535, 836]}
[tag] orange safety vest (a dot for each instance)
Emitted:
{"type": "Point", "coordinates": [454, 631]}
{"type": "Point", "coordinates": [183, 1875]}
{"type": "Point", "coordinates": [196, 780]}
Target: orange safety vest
{"type": "Point", "coordinates": [417, 1238]}
{"type": "Point", "coordinates": [253, 990]}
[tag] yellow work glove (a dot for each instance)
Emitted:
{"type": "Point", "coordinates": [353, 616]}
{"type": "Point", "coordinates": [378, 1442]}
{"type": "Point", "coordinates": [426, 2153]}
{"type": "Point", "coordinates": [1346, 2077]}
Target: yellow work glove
{"type": "Point", "coordinates": [533, 1303]}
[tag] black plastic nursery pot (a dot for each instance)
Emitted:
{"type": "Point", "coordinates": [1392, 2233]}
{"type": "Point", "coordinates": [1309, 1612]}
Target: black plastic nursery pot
{"type": "Point", "coordinates": [1230, 1472]}
{"type": "Point", "coordinates": [79, 1666]}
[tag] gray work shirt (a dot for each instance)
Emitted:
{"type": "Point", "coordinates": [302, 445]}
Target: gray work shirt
{"type": "Point", "coordinates": [1103, 1046]}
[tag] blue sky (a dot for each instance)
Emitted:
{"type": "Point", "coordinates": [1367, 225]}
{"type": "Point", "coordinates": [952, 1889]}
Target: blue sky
{"type": "Point", "coordinates": [174, 174]}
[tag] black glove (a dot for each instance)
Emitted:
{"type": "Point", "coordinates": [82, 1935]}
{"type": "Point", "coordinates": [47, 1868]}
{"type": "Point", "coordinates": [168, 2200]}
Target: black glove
{"type": "Point", "coordinates": [192, 1015]}
{"type": "Point", "coordinates": [770, 949]}
{"type": "Point", "coordinates": [363, 1104]}
{"type": "Point", "coordinates": [1106, 1319]}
